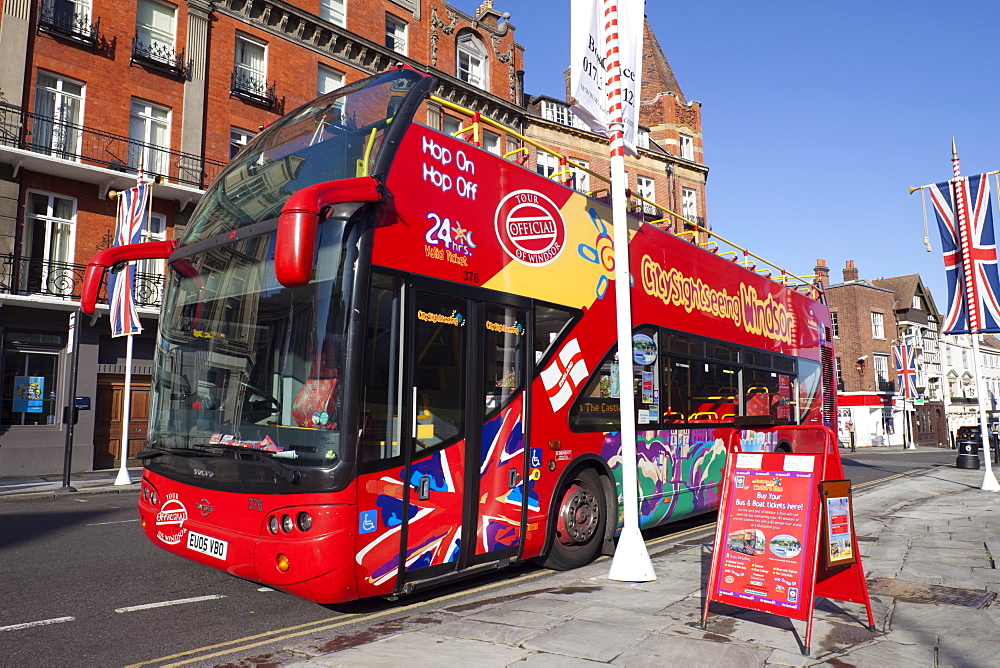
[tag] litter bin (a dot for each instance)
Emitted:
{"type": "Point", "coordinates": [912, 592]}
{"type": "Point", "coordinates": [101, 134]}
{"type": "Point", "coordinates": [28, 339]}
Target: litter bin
{"type": "Point", "coordinates": [968, 452]}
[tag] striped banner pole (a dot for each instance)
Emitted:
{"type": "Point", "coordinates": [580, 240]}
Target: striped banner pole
{"type": "Point", "coordinates": [631, 562]}
{"type": "Point", "coordinates": [960, 185]}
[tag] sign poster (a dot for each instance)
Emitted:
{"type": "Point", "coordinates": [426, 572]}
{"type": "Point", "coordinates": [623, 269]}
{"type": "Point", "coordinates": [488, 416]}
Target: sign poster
{"type": "Point", "coordinates": [838, 519]}
{"type": "Point", "coordinates": [28, 393]}
{"type": "Point", "coordinates": [767, 548]}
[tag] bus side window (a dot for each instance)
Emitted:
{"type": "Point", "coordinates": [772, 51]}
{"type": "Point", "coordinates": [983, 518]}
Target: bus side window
{"type": "Point", "coordinates": [380, 419]}
{"type": "Point", "coordinates": [550, 322]}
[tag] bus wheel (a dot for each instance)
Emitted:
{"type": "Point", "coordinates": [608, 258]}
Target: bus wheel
{"type": "Point", "coordinates": [580, 523]}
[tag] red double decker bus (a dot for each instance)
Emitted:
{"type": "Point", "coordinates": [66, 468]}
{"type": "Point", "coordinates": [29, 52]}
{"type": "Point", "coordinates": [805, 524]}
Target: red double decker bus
{"type": "Point", "coordinates": [387, 358]}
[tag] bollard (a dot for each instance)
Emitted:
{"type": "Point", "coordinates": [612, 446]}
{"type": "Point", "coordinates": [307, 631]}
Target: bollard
{"type": "Point", "coordinates": [968, 453]}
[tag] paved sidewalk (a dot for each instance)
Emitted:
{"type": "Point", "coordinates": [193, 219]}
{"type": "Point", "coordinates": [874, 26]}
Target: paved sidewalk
{"type": "Point", "coordinates": [915, 532]}
{"type": "Point", "coordinates": [49, 486]}
{"type": "Point", "coordinates": [928, 542]}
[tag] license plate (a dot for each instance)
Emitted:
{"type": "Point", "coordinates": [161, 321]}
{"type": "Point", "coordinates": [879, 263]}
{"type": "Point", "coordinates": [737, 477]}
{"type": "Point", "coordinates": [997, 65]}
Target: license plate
{"type": "Point", "coordinates": [213, 547]}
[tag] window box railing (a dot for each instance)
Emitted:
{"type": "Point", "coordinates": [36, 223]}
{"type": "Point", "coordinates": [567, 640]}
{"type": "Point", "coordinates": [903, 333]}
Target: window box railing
{"type": "Point", "coordinates": [35, 277]}
{"type": "Point", "coordinates": [33, 132]}
{"type": "Point", "coordinates": [69, 24]}
{"type": "Point", "coordinates": [161, 57]}
{"type": "Point", "coordinates": [252, 87]}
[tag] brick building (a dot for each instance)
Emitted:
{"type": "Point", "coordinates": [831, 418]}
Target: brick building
{"type": "Point", "coordinates": [93, 90]}
{"type": "Point", "coordinates": [869, 319]}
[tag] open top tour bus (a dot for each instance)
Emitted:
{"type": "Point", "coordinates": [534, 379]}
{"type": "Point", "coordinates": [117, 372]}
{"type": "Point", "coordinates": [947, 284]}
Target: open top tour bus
{"type": "Point", "coordinates": [387, 358]}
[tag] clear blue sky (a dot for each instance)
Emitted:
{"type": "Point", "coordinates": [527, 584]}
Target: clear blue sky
{"type": "Point", "coordinates": [818, 116]}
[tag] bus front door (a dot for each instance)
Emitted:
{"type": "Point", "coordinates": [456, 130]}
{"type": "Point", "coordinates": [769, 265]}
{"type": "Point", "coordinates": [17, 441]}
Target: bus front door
{"type": "Point", "coordinates": [465, 463]}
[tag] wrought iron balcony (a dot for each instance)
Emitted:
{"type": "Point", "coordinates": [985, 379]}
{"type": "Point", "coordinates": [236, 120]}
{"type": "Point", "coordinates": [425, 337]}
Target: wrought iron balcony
{"type": "Point", "coordinates": [252, 87]}
{"type": "Point", "coordinates": [161, 57]}
{"type": "Point", "coordinates": [70, 23]}
{"type": "Point", "coordinates": [35, 277]}
{"type": "Point", "coordinates": [78, 143]}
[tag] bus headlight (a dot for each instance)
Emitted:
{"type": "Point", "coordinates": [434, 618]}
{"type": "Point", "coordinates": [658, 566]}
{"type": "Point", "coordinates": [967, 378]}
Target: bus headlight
{"type": "Point", "coordinates": [305, 521]}
{"type": "Point", "coordinates": [272, 524]}
{"type": "Point", "coordinates": [286, 524]}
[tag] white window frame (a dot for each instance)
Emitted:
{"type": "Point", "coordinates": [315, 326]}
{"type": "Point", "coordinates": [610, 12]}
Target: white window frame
{"type": "Point", "coordinates": [61, 138]}
{"type": "Point", "coordinates": [59, 233]}
{"type": "Point", "coordinates": [491, 142]}
{"type": "Point", "coordinates": [155, 229]}
{"type": "Point", "coordinates": [546, 164]}
{"type": "Point", "coordinates": [395, 34]}
{"type": "Point", "coordinates": [81, 13]}
{"type": "Point", "coordinates": [256, 76]}
{"type": "Point", "coordinates": [328, 79]}
{"type": "Point", "coordinates": [646, 187]}
{"type": "Point", "coordinates": [834, 325]}
{"type": "Point", "coordinates": [334, 11]}
{"type": "Point", "coordinates": [450, 125]}
{"type": "Point", "coordinates": [471, 60]}
{"type": "Point", "coordinates": [556, 112]}
{"type": "Point", "coordinates": [642, 138]}
{"type": "Point", "coordinates": [685, 145]}
{"type": "Point", "coordinates": [878, 325]}
{"type": "Point", "coordinates": [151, 156]}
{"type": "Point", "coordinates": [689, 204]}
{"type": "Point", "coordinates": [581, 179]}
{"type": "Point", "coordinates": [880, 367]}
{"type": "Point", "coordinates": [152, 36]}
{"type": "Point", "coordinates": [238, 138]}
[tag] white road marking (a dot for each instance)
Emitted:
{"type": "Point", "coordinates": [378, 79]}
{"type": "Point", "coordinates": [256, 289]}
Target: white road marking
{"type": "Point", "coordinates": [264, 589]}
{"type": "Point", "coordinates": [163, 604]}
{"type": "Point", "coordinates": [44, 622]}
{"type": "Point", "coordinates": [97, 524]}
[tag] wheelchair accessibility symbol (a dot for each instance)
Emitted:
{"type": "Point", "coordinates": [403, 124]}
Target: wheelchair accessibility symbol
{"type": "Point", "coordinates": [368, 521]}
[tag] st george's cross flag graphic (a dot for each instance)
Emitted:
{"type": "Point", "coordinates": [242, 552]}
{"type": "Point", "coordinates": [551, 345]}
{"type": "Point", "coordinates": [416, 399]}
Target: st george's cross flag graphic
{"type": "Point", "coordinates": [133, 207]}
{"type": "Point", "coordinates": [906, 371]}
{"type": "Point", "coordinates": [970, 254]}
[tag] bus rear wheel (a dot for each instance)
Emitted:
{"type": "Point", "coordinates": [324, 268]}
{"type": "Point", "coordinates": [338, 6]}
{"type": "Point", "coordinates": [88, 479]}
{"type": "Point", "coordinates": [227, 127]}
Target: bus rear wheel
{"type": "Point", "coordinates": [580, 523]}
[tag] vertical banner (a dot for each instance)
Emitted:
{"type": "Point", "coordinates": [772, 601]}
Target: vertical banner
{"type": "Point", "coordinates": [588, 68]}
{"type": "Point", "coordinates": [587, 65]}
{"type": "Point", "coordinates": [970, 254]}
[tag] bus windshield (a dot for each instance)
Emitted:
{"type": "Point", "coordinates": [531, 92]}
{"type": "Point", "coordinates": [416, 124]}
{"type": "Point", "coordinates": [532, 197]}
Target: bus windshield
{"type": "Point", "coordinates": [339, 135]}
{"type": "Point", "coordinates": [243, 362]}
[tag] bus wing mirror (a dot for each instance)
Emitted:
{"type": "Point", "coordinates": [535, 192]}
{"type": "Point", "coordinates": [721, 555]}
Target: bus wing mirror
{"type": "Point", "coordinates": [109, 257]}
{"type": "Point", "coordinates": [298, 224]}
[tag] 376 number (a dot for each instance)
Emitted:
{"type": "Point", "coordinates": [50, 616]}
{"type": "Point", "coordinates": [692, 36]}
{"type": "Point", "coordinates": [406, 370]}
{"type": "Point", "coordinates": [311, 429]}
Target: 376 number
{"type": "Point", "coordinates": [470, 277]}
{"type": "Point", "coordinates": [256, 504]}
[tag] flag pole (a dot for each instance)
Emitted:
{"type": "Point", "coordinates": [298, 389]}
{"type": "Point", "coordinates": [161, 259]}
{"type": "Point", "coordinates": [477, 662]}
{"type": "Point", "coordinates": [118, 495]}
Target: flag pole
{"type": "Point", "coordinates": [631, 561]}
{"type": "Point", "coordinates": [961, 198]}
{"type": "Point", "coordinates": [123, 474]}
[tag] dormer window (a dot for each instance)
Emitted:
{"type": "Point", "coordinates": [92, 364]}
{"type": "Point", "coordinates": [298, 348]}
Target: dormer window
{"type": "Point", "coordinates": [471, 60]}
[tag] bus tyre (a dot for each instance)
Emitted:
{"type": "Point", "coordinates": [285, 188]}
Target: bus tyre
{"type": "Point", "coordinates": [580, 522]}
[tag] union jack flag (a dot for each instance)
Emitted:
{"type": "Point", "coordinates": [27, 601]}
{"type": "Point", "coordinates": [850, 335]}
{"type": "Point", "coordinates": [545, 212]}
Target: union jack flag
{"type": "Point", "coordinates": [965, 220]}
{"type": "Point", "coordinates": [132, 211]}
{"type": "Point", "coordinates": [906, 371]}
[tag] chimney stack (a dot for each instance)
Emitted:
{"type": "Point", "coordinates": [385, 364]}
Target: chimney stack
{"type": "Point", "coordinates": [822, 273]}
{"type": "Point", "coordinates": [850, 272]}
